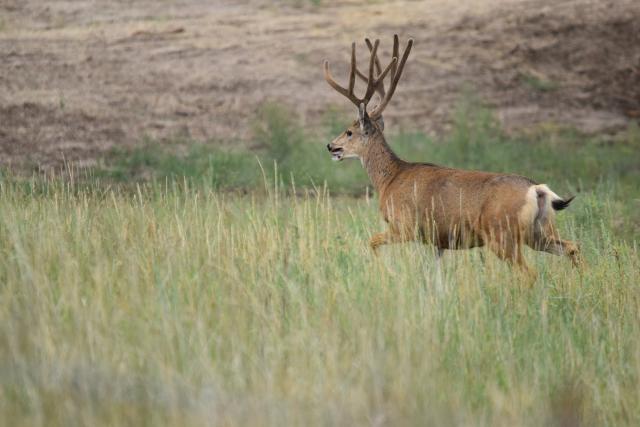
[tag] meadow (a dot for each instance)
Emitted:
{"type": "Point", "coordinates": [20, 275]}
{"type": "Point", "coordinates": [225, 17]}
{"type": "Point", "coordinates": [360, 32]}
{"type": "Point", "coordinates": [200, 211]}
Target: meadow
{"type": "Point", "coordinates": [204, 286]}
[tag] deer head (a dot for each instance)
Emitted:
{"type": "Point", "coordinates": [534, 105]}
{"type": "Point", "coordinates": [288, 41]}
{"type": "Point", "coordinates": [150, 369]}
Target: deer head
{"type": "Point", "coordinates": [369, 125]}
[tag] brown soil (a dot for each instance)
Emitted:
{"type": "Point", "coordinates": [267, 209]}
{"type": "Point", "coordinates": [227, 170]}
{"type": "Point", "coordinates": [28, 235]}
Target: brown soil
{"type": "Point", "coordinates": [79, 77]}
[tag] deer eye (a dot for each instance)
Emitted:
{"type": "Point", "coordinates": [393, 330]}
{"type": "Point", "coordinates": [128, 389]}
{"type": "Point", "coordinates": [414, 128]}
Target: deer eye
{"type": "Point", "coordinates": [349, 133]}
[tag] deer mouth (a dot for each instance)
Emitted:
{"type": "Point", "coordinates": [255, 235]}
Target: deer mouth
{"type": "Point", "coordinates": [337, 154]}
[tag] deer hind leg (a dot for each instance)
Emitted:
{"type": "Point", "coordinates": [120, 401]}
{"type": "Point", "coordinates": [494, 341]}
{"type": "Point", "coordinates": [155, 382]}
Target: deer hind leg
{"type": "Point", "coordinates": [510, 250]}
{"type": "Point", "coordinates": [557, 246]}
{"type": "Point", "coordinates": [548, 240]}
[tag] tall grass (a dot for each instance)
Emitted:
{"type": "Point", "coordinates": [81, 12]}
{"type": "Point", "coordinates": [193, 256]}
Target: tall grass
{"type": "Point", "coordinates": [569, 162]}
{"type": "Point", "coordinates": [172, 300]}
{"type": "Point", "coordinates": [186, 306]}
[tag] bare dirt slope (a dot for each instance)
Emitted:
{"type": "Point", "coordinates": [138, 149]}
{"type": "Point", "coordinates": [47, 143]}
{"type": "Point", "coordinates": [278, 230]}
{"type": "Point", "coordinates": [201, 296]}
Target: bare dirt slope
{"type": "Point", "coordinates": [79, 77]}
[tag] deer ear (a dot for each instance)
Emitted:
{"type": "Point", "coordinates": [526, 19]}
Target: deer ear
{"type": "Point", "coordinates": [380, 123]}
{"type": "Point", "coordinates": [363, 118]}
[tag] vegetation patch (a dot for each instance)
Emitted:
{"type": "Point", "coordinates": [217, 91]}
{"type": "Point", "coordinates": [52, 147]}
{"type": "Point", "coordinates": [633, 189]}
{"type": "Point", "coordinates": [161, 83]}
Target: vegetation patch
{"type": "Point", "coordinates": [170, 303]}
{"type": "Point", "coordinates": [571, 163]}
{"type": "Point", "coordinates": [538, 83]}
{"type": "Point", "coordinates": [191, 285]}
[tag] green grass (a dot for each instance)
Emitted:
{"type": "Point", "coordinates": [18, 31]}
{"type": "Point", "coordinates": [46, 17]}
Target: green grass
{"type": "Point", "coordinates": [209, 165]}
{"type": "Point", "coordinates": [191, 285]}
{"type": "Point", "coordinates": [181, 305]}
{"type": "Point", "coordinates": [570, 163]}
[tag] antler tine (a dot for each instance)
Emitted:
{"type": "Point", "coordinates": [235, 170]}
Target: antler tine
{"type": "Point", "coordinates": [342, 91]}
{"type": "Point", "coordinates": [394, 81]}
{"type": "Point", "coordinates": [395, 54]}
{"type": "Point", "coordinates": [346, 92]}
{"type": "Point", "coordinates": [329, 78]}
{"type": "Point", "coordinates": [371, 84]}
{"type": "Point", "coordinates": [362, 76]}
{"type": "Point", "coordinates": [370, 46]}
{"type": "Point", "coordinates": [352, 72]}
{"type": "Point", "coordinates": [379, 87]}
{"type": "Point", "coordinates": [405, 55]}
{"type": "Point", "coordinates": [379, 81]}
{"type": "Point", "coordinates": [380, 84]}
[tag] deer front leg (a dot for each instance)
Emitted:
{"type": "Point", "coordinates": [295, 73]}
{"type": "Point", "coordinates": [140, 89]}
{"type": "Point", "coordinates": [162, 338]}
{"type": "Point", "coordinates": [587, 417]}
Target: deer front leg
{"type": "Point", "coordinates": [511, 252]}
{"type": "Point", "coordinates": [385, 238]}
{"type": "Point", "coordinates": [378, 240]}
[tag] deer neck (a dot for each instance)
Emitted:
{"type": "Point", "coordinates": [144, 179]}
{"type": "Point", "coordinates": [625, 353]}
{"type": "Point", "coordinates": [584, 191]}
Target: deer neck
{"type": "Point", "coordinates": [380, 162]}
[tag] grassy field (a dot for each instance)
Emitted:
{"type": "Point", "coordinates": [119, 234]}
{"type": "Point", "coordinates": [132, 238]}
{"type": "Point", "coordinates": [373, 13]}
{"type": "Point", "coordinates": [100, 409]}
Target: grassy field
{"type": "Point", "coordinates": [213, 296]}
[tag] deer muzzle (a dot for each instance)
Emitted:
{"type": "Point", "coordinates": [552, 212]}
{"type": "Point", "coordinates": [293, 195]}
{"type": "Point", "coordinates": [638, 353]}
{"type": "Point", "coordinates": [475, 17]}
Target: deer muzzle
{"type": "Point", "coordinates": [336, 152]}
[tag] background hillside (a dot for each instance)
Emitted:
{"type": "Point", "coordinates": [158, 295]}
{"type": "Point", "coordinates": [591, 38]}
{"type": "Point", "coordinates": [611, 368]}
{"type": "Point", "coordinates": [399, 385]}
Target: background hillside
{"type": "Point", "coordinates": [78, 78]}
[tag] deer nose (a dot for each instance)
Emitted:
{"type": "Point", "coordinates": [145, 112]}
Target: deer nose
{"type": "Point", "coordinates": [329, 147]}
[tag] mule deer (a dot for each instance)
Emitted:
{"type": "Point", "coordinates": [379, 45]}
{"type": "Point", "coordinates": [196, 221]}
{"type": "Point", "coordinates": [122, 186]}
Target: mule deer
{"type": "Point", "coordinates": [450, 208]}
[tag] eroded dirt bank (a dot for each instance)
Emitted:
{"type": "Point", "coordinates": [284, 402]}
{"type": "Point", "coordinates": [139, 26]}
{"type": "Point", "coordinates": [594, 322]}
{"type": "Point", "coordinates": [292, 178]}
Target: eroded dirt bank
{"type": "Point", "coordinates": [79, 77]}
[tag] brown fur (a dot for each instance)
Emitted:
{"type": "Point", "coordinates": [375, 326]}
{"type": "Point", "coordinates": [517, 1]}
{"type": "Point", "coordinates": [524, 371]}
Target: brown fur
{"type": "Point", "coordinates": [449, 208]}
{"type": "Point", "coordinates": [454, 208]}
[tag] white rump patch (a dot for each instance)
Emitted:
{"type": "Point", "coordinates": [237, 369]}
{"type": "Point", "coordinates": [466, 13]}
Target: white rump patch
{"type": "Point", "coordinates": [537, 205]}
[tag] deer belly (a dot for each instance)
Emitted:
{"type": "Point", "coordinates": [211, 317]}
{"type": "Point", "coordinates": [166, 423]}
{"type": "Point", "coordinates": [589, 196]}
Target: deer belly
{"type": "Point", "coordinates": [450, 236]}
{"type": "Point", "coordinates": [450, 232]}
